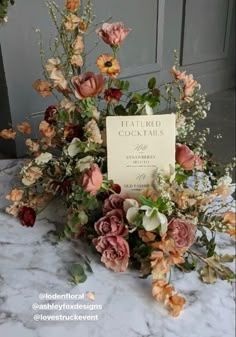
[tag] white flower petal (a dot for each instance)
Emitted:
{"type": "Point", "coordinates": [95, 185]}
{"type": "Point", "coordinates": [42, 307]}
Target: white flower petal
{"type": "Point", "coordinates": [128, 203]}
{"type": "Point", "coordinates": [131, 214]}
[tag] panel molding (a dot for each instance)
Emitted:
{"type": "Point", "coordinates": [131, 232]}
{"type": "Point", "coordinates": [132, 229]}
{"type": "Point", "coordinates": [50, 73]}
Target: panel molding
{"type": "Point", "coordinates": [210, 57]}
{"type": "Point", "coordinates": [156, 67]}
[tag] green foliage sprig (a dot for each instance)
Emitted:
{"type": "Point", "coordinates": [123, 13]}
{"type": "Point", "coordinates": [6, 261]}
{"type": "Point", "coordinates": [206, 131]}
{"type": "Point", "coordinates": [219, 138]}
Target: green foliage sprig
{"type": "Point", "coordinates": [4, 4]}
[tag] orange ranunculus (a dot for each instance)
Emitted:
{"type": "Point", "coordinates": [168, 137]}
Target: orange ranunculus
{"type": "Point", "coordinates": [72, 22]}
{"type": "Point", "coordinates": [8, 134]}
{"type": "Point", "coordinates": [43, 88]}
{"type": "Point", "coordinates": [88, 85]}
{"type": "Point", "coordinates": [161, 290]}
{"type": "Point", "coordinates": [15, 195]}
{"type": "Point", "coordinates": [146, 236]}
{"type": "Point", "coordinates": [47, 130]}
{"type": "Point", "coordinates": [175, 304]}
{"type": "Point", "coordinates": [159, 264]}
{"type": "Point", "coordinates": [24, 128]}
{"type": "Point", "coordinates": [108, 65]}
{"type": "Point", "coordinates": [113, 33]}
{"type": "Point", "coordinates": [94, 134]}
{"type": "Point", "coordinates": [72, 5]}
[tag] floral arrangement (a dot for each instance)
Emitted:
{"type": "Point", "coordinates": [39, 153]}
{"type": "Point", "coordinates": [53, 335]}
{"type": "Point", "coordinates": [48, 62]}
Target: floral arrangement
{"type": "Point", "coordinates": [3, 9]}
{"type": "Point", "coordinates": [173, 223]}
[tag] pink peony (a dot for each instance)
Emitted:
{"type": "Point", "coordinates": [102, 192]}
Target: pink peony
{"type": "Point", "coordinates": [187, 159]}
{"type": "Point", "coordinates": [88, 85]}
{"type": "Point", "coordinates": [113, 33]}
{"type": "Point", "coordinates": [182, 232]}
{"type": "Point", "coordinates": [112, 224]}
{"type": "Point", "coordinates": [115, 252]}
{"type": "Point", "coordinates": [92, 179]}
{"type": "Point", "coordinates": [114, 201]}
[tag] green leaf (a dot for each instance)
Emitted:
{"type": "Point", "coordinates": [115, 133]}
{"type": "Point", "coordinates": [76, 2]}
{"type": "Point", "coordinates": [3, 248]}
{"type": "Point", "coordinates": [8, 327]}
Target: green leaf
{"type": "Point", "coordinates": [120, 110]}
{"type": "Point", "coordinates": [151, 83]}
{"type": "Point", "coordinates": [77, 273]}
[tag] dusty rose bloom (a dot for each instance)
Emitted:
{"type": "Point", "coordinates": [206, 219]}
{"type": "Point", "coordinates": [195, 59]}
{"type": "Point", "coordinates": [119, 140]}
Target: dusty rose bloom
{"type": "Point", "coordinates": [182, 232]}
{"type": "Point", "coordinates": [92, 179]}
{"type": "Point", "coordinates": [178, 75]}
{"type": "Point", "coordinates": [113, 33]}
{"type": "Point", "coordinates": [115, 252]}
{"type": "Point", "coordinates": [186, 158]}
{"type": "Point", "coordinates": [112, 224]}
{"type": "Point", "coordinates": [88, 85]}
{"type": "Point", "coordinates": [94, 134]}
{"type": "Point", "coordinates": [24, 128]}
{"type": "Point", "coordinates": [72, 22]}
{"type": "Point", "coordinates": [47, 130]}
{"type": "Point", "coordinates": [115, 201]}
{"type": "Point", "coordinates": [33, 146]}
{"type": "Point", "coordinates": [8, 134]}
{"type": "Point", "coordinates": [189, 86]}
{"type": "Point", "coordinates": [32, 175]}
{"type": "Point", "coordinates": [15, 195]}
{"type": "Point", "coordinates": [43, 88]}
{"type": "Point", "coordinates": [72, 5]}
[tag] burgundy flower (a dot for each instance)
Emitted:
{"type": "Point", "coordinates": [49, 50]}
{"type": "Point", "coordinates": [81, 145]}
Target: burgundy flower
{"type": "Point", "coordinates": [73, 131]}
{"type": "Point", "coordinates": [182, 232]}
{"type": "Point", "coordinates": [62, 187]}
{"type": "Point", "coordinates": [115, 201]}
{"type": "Point", "coordinates": [187, 159]}
{"type": "Point", "coordinates": [115, 252]}
{"type": "Point", "coordinates": [112, 224]}
{"type": "Point", "coordinates": [27, 216]}
{"type": "Point", "coordinates": [112, 95]}
{"type": "Point", "coordinates": [50, 113]}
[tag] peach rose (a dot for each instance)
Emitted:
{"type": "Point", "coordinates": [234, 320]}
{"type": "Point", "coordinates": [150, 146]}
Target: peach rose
{"type": "Point", "coordinates": [186, 158]}
{"type": "Point", "coordinates": [88, 85]}
{"type": "Point", "coordinates": [115, 252]}
{"type": "Point", "coordinates": [24, 128]}
{"type": "Point", "coordinates": [115, 201]}
{"type": "Point", "coordinates": [32, 175]}
{"type": "Point", "coordinates": [72, 22]}
{"type": "Point", "coordinates": [8, 134]}
{"type": "Point", "coordinates": [76, 60]}
{"type": "Point", "coordinates": [15, 195]}
{"type": "Point", "coordinates": [47, 130]}
{"type": "Point", "coordinates": [113, 33]}
{"type": "Point", "coordinates": [72, 5]}
{"type": "Point", "coordinates": [43, 88]}
{"type": "Point", "coordinates": [92, 179]}
{"type": "Point", "coordinates": [112, 224]}
{"type": "Point", "coordinates": [33, 146]}
{"type": "Point", "coordinates": [182, 232]}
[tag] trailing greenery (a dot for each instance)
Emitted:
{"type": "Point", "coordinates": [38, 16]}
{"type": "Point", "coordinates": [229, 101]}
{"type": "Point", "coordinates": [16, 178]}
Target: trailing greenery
{"type": "Point", "coordinates": [4, 4]}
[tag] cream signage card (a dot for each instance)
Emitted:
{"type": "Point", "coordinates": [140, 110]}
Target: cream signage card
{"type": "Point", "coordinates": [137, 146]}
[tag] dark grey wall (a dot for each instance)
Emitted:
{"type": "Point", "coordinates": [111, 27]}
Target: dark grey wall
{"type": "Point", "coordinates": [202, 31]}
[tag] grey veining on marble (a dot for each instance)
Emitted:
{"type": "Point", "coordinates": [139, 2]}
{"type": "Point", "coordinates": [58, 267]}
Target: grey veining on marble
{"type": "Point", "coordinates": [31, 263]}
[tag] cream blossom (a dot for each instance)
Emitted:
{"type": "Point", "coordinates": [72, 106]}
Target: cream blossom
{"type": "Point", "coordinates": [67, 105]}
{"type": "Point", "coordinates": [43, 158]}
{"type": "Point", "coordinates": [72, 22]}
{"type": "Point", "coordinates": [52, 64]}
{"type": "Point", "coordinates": [94, 134]}
{"type": "Point", "coordinates": [33, 146]}
{"type": "Point", "coordinates": [32, 174]}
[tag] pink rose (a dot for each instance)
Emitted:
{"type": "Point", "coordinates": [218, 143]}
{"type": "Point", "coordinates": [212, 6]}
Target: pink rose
{"type": "Point", "coordinates": [88, 85]}
{"type": "Point", "coordinates": [114, 201]}
{"type": "Point", "coordinates": [186, 158]}
{"type": "Point", "coordinates": [92, 179]}
{"type": "Point", "coordinates": [113, 33]}
{"type": "Point", "coordinates": [182, 232]}
{"type": "Point", "coordinates": [112, 224]}
{"type": "Point", "coordinates": [115, 252]}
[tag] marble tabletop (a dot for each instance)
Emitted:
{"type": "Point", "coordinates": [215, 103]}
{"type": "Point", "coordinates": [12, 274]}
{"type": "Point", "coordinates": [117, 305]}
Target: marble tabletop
{"type": "Point", "coordinates": [32, 262]}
